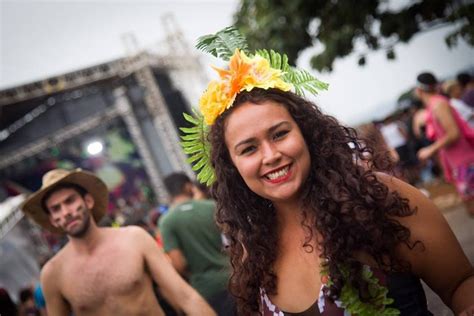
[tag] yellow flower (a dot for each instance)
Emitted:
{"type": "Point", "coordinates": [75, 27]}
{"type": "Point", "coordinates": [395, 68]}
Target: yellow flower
{"type": "Point", "coordinates": [214, 101]}
{"type": "Point", "coordinates": [263, 76]}
{"type": "Point", "coordinates": [244, 73]}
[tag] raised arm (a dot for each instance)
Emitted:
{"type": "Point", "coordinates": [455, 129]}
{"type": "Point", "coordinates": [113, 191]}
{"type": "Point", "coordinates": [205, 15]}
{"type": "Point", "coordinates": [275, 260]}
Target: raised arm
{"type": "Point", "coordinates": [56, 305]}
{"type": "Point", "coordinates": [169, 281]}
{"type": "Point", "coordinates": [439, 260]}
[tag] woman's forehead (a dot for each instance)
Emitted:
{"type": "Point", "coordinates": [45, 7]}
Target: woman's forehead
{"type": "Point", "coordinates": [250, 118]}
{"type": "Point", "coordinates": [248, 112]}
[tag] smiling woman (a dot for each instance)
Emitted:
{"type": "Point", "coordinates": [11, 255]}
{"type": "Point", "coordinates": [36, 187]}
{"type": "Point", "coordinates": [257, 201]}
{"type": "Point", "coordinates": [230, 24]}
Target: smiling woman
{"type": "Point", "coordinates": [267, 148]}
{"type": "Point", "coordinates": [313, 229]}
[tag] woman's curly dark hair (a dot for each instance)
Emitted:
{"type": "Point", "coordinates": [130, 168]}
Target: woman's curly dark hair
{"type": "Point", "coordinates": [343, 200]}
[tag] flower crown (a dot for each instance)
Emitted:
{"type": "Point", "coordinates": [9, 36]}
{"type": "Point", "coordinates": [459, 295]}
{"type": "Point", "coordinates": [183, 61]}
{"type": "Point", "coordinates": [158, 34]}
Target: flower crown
{"type": "Point", "coordinates": [262, 69]}
{"type": "Point", "coordinates": [245, 73]}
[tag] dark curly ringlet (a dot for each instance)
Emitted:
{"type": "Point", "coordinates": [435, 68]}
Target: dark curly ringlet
{"type": "Point", "coordinates": [344, 202]}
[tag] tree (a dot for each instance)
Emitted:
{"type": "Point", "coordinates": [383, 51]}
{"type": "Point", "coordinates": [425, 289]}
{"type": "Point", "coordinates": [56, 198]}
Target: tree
{"type": "Point", "coordinates": [343, 26]}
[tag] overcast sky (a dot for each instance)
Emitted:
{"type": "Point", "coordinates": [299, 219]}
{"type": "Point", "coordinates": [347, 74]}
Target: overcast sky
{"type": "Point", "coordinates": [40, 39]}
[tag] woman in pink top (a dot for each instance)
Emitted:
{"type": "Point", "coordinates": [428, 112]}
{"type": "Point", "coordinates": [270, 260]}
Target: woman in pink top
{"type": "Point", "coordinates": [453, 139]}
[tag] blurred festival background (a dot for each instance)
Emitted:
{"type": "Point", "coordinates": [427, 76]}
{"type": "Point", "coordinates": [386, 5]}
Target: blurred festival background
{"type": "Point", "coordinates": [101, 85]}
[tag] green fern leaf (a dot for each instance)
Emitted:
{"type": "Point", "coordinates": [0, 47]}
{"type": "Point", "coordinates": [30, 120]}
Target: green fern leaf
{"type": "Point", "coordinates": [190, 119]}
{"type": "Point", "coordinates": [193, 158]}
{"type": "Point", "coordinates": [190, 137]}
{"type": "Point", "coordinates": [223, 43]}
{"type": "Point", "coordinates": [199, 165]}
{"type": "Point", "coordinates": [189, 130]}
{"type": "Point", "coordinates": [276, 60]}
{"type": "Point", "coordinates": [303, 80]}
{"type": "Point", "coordinates": [196, 145]}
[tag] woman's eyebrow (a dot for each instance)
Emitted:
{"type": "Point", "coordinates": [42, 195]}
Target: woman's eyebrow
{"type": "Point", "coordinates": [270, 130]}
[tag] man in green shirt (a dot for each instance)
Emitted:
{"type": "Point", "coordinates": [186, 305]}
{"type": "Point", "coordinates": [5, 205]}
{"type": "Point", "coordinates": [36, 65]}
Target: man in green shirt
{"type": "Point", "coordinates": [194, 244]}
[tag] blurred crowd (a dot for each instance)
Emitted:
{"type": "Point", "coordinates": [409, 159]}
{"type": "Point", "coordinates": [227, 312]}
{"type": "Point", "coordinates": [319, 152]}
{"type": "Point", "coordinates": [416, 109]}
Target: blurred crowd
{"type": "Point", "coordinates": [403, 134]}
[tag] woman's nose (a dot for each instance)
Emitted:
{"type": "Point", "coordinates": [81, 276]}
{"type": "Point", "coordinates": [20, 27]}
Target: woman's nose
{"type": "Point", "coordinates": [271, 154]}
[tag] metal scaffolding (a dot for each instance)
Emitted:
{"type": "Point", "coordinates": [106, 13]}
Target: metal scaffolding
{"type": "Point", "coordinates": [140, 67]}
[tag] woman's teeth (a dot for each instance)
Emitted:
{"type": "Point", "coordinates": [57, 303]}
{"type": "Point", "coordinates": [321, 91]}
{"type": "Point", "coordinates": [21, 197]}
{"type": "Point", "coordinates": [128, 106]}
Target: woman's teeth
{"type": "Point", "coordinates": [278, 174]}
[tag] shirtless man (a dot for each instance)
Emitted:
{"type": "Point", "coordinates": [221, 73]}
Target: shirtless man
{"type": "Point", "coordinates": [101, 271]}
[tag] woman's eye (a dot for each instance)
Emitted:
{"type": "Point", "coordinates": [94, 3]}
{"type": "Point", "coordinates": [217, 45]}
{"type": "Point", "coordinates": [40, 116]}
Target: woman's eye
{"type": "Point", "coordinates": [280, 134]}
{"type": "Point", "coordinates": [247, 150]}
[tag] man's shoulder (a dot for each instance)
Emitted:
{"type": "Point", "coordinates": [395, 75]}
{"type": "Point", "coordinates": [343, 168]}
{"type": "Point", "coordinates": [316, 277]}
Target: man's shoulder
{"type": "Point", "coordinates": [168, 218]}
{"type": "Point", "coordinates": [53, 266]}
{"type": "Point", "coordinates": [190, 207]}
{"type": "Point", "coordinates": [130, 231]}
{"type": "Point", "coordinates": [130, 238]}
{"type": "Point", "coordinates": [196, 204]}
{"type": "Point", "coordinates": [207, 206]}
{"type": "Point", "coordinates": [206, 202]}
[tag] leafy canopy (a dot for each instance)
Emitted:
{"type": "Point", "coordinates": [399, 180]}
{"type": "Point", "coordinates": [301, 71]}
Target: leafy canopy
{"type": "Point", "coordinates": [292, 26]}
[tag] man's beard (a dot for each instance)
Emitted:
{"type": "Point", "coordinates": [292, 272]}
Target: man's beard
{"type": "Point", "coordinates": [84, 228]}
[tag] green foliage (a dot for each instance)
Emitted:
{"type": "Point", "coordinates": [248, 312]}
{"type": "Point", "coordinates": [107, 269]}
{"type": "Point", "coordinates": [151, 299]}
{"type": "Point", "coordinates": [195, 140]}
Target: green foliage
{"type": "Point", "coordinates": [350, 299]}
{"type": "Point", "coordinates": [378, 303]}
{"type": "Point", "coordinates": [299, 78]}
{"type": "Point", "coordinates": [292, 26]}
{"type": "Point", "coordinates": [223, 43]}
{"type": "Point", "coordinates": [303, 80]}
{"type": "Point", "coordinates": [276, 60]}
{"type": "Point", "coordinates": [197, 147]}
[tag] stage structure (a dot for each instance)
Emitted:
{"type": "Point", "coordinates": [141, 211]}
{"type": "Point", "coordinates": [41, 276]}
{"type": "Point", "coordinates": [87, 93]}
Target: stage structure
{"type": "Point", "coordinates": [146, 91]}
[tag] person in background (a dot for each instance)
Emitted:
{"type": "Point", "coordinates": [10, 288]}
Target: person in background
{"type": "Point", "coordinates": [200, 191]}
{"type": "Point", "coordinates": [453, 90]}
{"type": "Point", "coordinates": [38, 295]}
{"type": "Point", "coordinates": [453, 139]}
{"type": "Point", "coordinates": [193, 242]}
{"type": "Point", "coordinates": [101, 271]}
{"type": "Point", "coordinates": [467, 85]}
{"type": "Point", "coordinates": [39, 300]}
{"type": "Point", "coordinates": [371, 133]}
{"type": "Point", "coordinates": [27, 305]}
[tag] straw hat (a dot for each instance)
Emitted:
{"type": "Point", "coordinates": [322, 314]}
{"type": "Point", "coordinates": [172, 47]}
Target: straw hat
{"type": "Point", "coordinates": [90, 182]}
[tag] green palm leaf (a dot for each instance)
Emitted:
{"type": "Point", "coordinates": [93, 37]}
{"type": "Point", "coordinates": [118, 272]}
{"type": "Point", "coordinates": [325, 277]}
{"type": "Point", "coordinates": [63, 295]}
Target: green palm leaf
{"type": "Point", "coordinates": [196, 145]}
{"type": "Point", "coordinates": [276, 60]}
{"type": "Point", "coordinates": [300, 79]}
{"type": "Point", "coordinates": [223, 43]}
{"type": "Point", "coordinates": [303, 80]}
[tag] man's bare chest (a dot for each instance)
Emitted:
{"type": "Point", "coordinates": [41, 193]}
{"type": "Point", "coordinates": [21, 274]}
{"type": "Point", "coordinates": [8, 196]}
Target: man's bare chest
{"type": "Point", "coordinates": [90, 282]}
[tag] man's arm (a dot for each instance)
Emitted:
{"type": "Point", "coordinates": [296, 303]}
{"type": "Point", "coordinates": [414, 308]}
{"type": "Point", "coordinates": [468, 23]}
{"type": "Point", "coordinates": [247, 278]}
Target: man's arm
{"type": "Point", "coordinates": [171, 245]}
{"type": "Point", "coordinates": [439, 260]}
{"type": "Point", "coordinates": [170, 282]}
{"type": "Point", "coordinates": [177, 260]}
{"type": "Point", "coordinates": [56, 305]}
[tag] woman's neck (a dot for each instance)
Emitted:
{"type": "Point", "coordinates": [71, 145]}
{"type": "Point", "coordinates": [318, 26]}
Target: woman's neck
{"type": "Point", "coordinates": [288, 213]}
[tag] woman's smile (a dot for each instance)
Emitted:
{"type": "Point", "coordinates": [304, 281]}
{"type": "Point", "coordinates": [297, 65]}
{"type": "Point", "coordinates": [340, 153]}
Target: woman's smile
{"type": "Point", "coordinates": [279, 175]}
